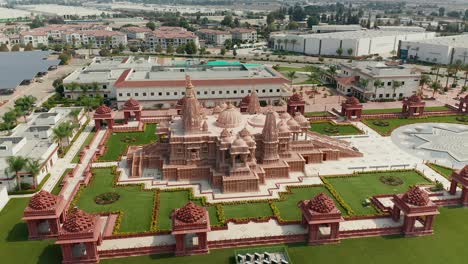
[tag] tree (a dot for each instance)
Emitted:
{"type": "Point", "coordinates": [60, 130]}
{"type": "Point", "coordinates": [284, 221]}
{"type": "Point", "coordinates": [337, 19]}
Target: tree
{"type": "Point", "coordinates": [298, 13]}
{"type": "Point", "coordinates": [223, 51]}
{"type": "Point", "coordinates": [180, 49]}
{"type": "Point", "coordinates": [202, 51]}
{"type": "Point", "coordinates": [151, 25]}
{"type": "Point", "coordinates": [169, 49]}
{"type": "Point", "coordinates": [395, 86]}
{"type": "Point", "coordinates": [33, 166]}
{"type": "Point", "coordinates": [104, 52]}
{"type": "Point", "coordinates": [36, 23]}
{"type": "Point", "coordinates": [191, 48]}
{"type": "Point", "coordinates": [378, 84]}
{"type": "Point", "coordinates": [4, 48]}
{"type": "Point", "coordinates": [291, 76]}
{"type": "Point", "coordinates": [227, 21]}
{"type": "Point", "coordinates": [293, 25]}
{"type": "Point", "coordinates": [234, 52]}
{"type": "Point", "coordinates": [10, 119]}
{"type": "Point", "coordinates": [62, 133]}
{"type": "Point", "coordinates": [312, 21]}
{"type": "Point", "coordinates": [15, 47]}
{"type": "Point", "coordinates": [16, 164]}
{"type": "Point", "coordinates": [425, 79]}
{"type": "Point", "coordinates": [441, 11]}
{"type": "Point", "coordinates": [29, 47]}
{"type": "Point", "coordinates": [293, 42]}
{"type": "Point", "coordinates": [435, 86]}
{"type": "Point", "coordinates": [64, 58]}
{"type": "Point", "coordinates": [350, 51]}
{"type": "Point", "coordinates": [158, 48]}
{"type": "Point", "coordinates": [74, 114]}
{"type": "Point", "coordinates": [339, 51]}
{"type": "Point", "coordinates": [286, 41]}
{"type": "Point", "coordinates": [236, 22]}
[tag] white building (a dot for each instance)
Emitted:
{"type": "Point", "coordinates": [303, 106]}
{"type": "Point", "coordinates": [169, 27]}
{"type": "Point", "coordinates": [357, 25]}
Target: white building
{"type": "Point", "coordinates": [3, 197]}
{"type": "Point", "coordinates": [360, 43]}
{"type": "Point", "coordinates": [335, 28]}
{"type": "Point", "coordinates": [162, 85]}
{"type": "Point", "coordinates": [401, 28]}
{"type": "Point", "coordinates": [36, 38]}
{"type": "Point", "coordinates": [359, 78]}
{"type": "Point", "coordinates": [34, 140]}
{"type": "Point", "coordinates": [244, 34]}
{"type": "Point", "coordinates": [136, 32]}
{"type": "Point", "coordinates": [441, 50]}
{"type": "Point", "coordinates": [174, 36]}
{"type": "Point", "coordinates": [216, 37]}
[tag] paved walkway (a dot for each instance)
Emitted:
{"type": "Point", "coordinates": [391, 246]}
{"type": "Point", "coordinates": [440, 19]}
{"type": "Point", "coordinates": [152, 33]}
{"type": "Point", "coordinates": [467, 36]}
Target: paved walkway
{"type": "Point", "coordinates": [63, 163]}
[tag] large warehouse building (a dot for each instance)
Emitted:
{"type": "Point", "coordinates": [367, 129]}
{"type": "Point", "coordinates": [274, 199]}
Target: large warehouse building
{"type": "Point", "coordinates": [442, 50]}
{"type": "Point", "coordinates": [161, 84]}
{"type": "Point", "coordinates": [360, 43]}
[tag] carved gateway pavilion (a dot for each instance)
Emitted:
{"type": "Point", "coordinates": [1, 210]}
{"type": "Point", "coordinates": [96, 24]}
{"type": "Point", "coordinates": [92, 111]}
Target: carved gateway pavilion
{"type": "Point", "coordinates": [234, 151]}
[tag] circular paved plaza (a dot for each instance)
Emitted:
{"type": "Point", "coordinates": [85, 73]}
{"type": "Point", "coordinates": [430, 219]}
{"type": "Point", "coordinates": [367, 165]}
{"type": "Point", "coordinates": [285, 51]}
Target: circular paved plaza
{"type": "Point", "coordinates": [445, 143]}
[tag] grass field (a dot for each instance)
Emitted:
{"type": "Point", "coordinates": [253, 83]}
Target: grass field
{"type": "Point", "coordinates": [331, 129]}
{"type": "Point", "coordinates": [442, 170]}
{"type": "Point", "coordinates": [247, 210]}
{"type": "Point", "coordinates": [394, 123]}
{"type": "Point", "coordinates": [87, 141]}
{"type": "Point", "coordinates": [118, 142]}
{"type": "Point", "coordinates": [135, 204]}
{"type": "Point", "coordinates": [355, 189]}
{"type": "Point", "coordinates": [398, 110]}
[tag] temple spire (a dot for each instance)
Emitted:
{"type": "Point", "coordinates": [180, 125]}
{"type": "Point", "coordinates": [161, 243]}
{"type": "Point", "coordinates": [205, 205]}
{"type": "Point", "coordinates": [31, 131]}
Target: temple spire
{"type": "Point", "coordinates": [254, 103]}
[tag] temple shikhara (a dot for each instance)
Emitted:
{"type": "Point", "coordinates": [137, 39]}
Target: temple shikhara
{"type": "Point", "coordinates": [235, 150]}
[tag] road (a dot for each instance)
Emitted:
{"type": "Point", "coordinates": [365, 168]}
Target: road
{"type": "Point", "coordinates": [42, 91]}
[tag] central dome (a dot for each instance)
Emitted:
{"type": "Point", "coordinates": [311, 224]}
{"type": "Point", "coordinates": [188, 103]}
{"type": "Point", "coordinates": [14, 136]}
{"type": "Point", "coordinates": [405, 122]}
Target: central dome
{"type": "Point", "coordinates": [229, 118]}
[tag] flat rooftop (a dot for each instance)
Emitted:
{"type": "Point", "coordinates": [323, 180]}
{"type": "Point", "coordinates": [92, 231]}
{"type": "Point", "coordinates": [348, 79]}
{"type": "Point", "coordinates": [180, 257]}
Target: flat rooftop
{"type": "Point", "coordinates": [376, 68]}
{"type": "Point", "coordinates": [459, 41]}
{"type": "Point", "coordinates": [353, 34]}
{"type": "Point", "coordinates": [15, 67]}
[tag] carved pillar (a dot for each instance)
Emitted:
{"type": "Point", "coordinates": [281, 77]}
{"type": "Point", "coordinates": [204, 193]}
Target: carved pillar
{"type": "Point", "coordinates": [32, 229]}
{"type": "Point", "coordinates": [453, 187]}
{"type": "Point", "coordinates": [138, 115]}
{"type": "Point", "coordinates": [180, 243]}
{"type": "Point", "coordinates": [67, 256]}
{"type": "Point", "coordinates": [313, 233]}
{"type": "Point", "coordinates": [54, 226]}
{"type": "Point", "coordinates": [110, 123]}
{"type": "Point", "coordinates": [126, 116]}
{"type": "Point", "coordinates": [97, 124]}
{"type": "Point", "coordinates": [464, 196]}
{"type": "Point", "coordinates": [202, 241]}
{"type": "Point", "coordinates": [396, 213]}
{"type": "Point", "coordinates": [408, 226]}
{"type": "Point", "coordinates": [429, 222]}
{"type": "Point", "coordinates": [334, 230]}
{"type": "Point", "coordinates": [91, 251]}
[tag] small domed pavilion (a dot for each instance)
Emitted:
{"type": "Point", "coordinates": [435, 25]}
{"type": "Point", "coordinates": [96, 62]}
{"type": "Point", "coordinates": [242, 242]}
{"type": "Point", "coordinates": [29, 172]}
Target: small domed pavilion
{"type": "Point", "coordinates": [190, 225]}
{"type": "Point", "coordinates": [463, 105]}
{"type": "Point", "coordinates": [79, 237]}
{"type": "Point", "coordinates": [295, 104]}
{"type": "Point", "coordinates": [44, 214]}
{"type": "Point", "coordinates": [351, 108]}
{"type": "Point", "coordinates": [413, 106]}
{"type": "Point", "coordinates": [322, 218]}
{"type": "Point", "coordinates": [416, 206]}
{"type": "Point", "coordinates": [103, 115]}
{"type": "Point", "coordinates": [130, 107]}
{"type": "Point", "coordinates": [460, 177]}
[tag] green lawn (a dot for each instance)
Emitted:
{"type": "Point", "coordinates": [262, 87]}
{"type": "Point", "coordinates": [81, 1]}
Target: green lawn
{"type": "Point", "coordinates": [398, 110]}
{"type": "Point", "coordinates": [87, 141]}
{"type": "Point", "coordinates": [247, 210]}
{"type": "Point", "coordinates": [394, 123]}
{"type": "Point", "coordinates": [288, 208]}
{"type": "Point", "coordinates": [285, 69]}
{"type": "Point", "coordinates": [57, 188]}
{"type": "Point", "coordinates": [117, 143]}
{"type": "Point", "coordinates": [323, 113]}
{"type": "Point", "coordinates": [331, 129]}
{"type": "Point", "coordinates": [135, 203]}
{"type": "Point", "coordinates": [355, 189]}
{"type": "Point", "coordinates": [442, 170]}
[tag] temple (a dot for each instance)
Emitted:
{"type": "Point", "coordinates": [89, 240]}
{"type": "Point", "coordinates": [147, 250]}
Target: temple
{"type": "Point", "coordinates": [234, 151]}
{"type": "Point", "coordinates": [413, 106]}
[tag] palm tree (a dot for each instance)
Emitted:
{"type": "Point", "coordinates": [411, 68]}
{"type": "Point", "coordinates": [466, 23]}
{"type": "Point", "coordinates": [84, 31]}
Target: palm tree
{"type": "Point", "coordinates": [350, 51]}
{"type": "Point", "coordinates": [95, 87]}
{"type": "Point", "coordinates": [450, 71]}
{"type": "Point", "coordinates": [286, 41]}
{"type": "Point", "coordinates": [332, 71]}
{"type": "Point", "coordinates": [74, 114]}
{"type": "Point", "coordinates": [293, 42]}
{"type": "Point", "coordinates": [425, 79]}
{"type": "Point", "coordinates": [395, 86]}
{"type": "Point", "coordinates": [378, 84]}
{"type": "Point", "coordinates": [339, 51]}
{"type": "Point", "coordinates": [279, 41]}
{"type": "Point", "coordinates": [437, 73]}
{"type": "Point", "coordinates": [62, 133]}
{"type": "Point", "coordinates": [84, 88]}
{"type": "Point", "coordinates": [291, 75]}
{"type": "Point", "coordinates": [34, 167]}
{"type": "Point", "coordinates": [16, 164]}
{"type": "Point", "coordinates": [435, 86]}
{"type": "Point", "coordinates": [72, 87]}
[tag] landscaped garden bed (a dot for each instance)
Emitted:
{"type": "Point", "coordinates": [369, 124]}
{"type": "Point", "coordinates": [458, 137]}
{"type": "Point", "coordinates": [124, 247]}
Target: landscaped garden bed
{"type": "Point", "coordinates": [394, 123]}
{"type": "Point", "coordinates": [331, 129]}
{"type": "Point", "coordinates": [87, 141]}
{"type": "Point", "coordinates": [442, 170]}
{"type": "Point", "coordinates": [398, 110]}
{"type": "Point", "coordinates": [355, 188]}
{"type": "Point", "coordinates": [118, 142]}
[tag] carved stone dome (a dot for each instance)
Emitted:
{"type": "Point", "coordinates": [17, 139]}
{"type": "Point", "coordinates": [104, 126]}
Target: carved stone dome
{"type": "Point", "coordinates": [293, 124]}
{"type": "Point", "coordinates": [103, 109]}
{"type": "Point", "coordinates": [415, 98]}
{"type": "Point", "coordinates": [283, 127]}
{"type": "Point", "coordinates": [132, 103]}
{"type": "Point", "coordinates": [301, 119]}
{"type": "Point", "coordinates": [244, 132]}
{"type": "Point", "coordinates": [229, 118]}
{"type": "Point", "coordinates": [79, 221]}
{"type": "Point", "coordinates": [416, 196]}
{"type": "Point", "coordinates": [190, 213]}
{"type": "Point", "coordinates": [223, 105]}
{"type": "Point", "coordinates": [239, 143]}
{"type": "Point", "coordinates": [285, 116]}
{"type": "Point", "coordinates": [217, 109]}
{"type": "Point", "coordinates": [322, 204]}
{"type": "Point", "coordinates": [352, 101]}
{"type": "Point", "coordinates": [43, 200]}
